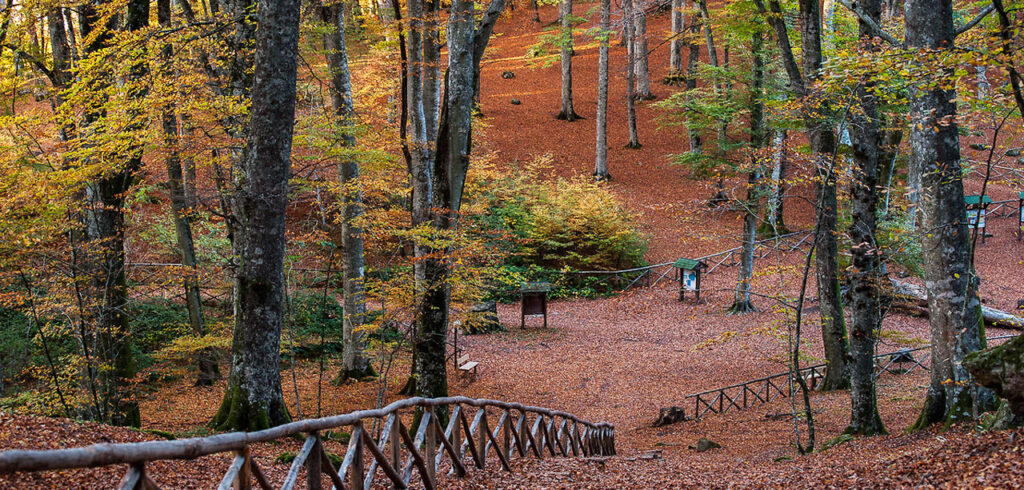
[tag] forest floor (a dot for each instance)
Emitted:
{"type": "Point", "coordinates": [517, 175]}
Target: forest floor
{"type": "Point", "coordinates": [623, 358]}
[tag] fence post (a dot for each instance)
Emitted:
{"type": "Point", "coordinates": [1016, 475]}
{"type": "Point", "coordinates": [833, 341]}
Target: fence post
{"type": "Point", "coordinates": [314, 471]}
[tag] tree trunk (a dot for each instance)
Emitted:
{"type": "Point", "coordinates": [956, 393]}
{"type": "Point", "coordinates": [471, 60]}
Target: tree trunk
{"type": "Point", "coordinates": [105, 229]}
{"type": "Point", "coordinates": [675, 50]}
{"type": "Point", "coordinates": [822, 142]}
{"type": "Point", "coordinates": [865, 310]}
{"type": "Point", "coordinates": [566, 113]}
{"type": "Point", "coordinates": [601, 158]}
{"type": "Point", "coordinates": [741, 299]}
{"type": "Point", "coordinates": [627, 9]}
{"type": "Point", "coordinates": [640, 66]}
{"type": "Point", "coordinates": [354, 363]}
{"type": "Point", "coordinates": [253, 399]}
{"type": "Point", "coordinates": [774, 223]}
{"type": "Point", "coordinates": [691, 78]}
{"type": "Point", "coordinates": [536, 10]}
{"type": "Point", "coordinates": [432, 74]}
{"type": "Point", "coordinates": [206, 360]}
{"type": "Point", "coordinates": [953, 304]}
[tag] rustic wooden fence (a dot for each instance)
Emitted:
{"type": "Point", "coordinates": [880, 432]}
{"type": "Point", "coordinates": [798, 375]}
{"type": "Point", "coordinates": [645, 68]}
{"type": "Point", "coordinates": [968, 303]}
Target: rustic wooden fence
{"type": "Point", "coordinates": [651, 275]}
{"type": "Point", "coordinates": [763, 390]}
{"type": "Point", "coordinates": [395, 454]}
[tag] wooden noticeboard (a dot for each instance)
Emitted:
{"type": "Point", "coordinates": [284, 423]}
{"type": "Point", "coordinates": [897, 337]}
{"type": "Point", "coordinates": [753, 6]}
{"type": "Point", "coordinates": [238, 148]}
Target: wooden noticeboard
{"type": "Point", "coordinates": [689, 272]}
{"type": "Point", "coordinates": [534, 301]}
{"type": "Point", "coordinates": [977, 211]}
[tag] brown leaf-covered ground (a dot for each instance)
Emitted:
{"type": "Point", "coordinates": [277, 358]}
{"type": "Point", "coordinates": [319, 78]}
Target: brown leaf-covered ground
{"type": "Point", "coordinates": [621, 359]}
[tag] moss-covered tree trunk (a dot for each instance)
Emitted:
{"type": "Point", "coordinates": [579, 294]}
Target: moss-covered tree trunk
{"type": "Point", "coordinates": [253, 399]}
{"type": "Point", "coordinates": [1002, 370]}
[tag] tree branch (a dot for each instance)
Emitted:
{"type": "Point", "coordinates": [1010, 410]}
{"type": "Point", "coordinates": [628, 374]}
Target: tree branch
{"type": "Point", "coordinates": [878, 31]}
{"type": "Point", "coordinates": [968, 26]}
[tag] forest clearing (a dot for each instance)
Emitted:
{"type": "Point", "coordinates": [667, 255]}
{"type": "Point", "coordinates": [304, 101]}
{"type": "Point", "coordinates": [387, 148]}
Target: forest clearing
{"type": "Point", "coordinates": [372, 243]}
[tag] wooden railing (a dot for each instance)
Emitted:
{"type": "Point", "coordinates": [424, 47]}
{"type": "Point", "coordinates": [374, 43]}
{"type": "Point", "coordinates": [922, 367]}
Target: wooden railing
{"type": "Point", "coordinates": [395, 454]}
{"type": "Point", "coordinates": [763, 390]}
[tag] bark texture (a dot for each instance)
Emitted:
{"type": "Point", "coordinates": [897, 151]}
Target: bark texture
{"type": "Point", "coordinates": [627, 9]}
{"type": "Point", "coordinates": [566, 112]}
{"type": "Point", "coordinates": [953, 303]}
{"type": "Point", "coordinates": [354, 363]}
{"type": "Point", "coordinates": [601, 146]}
{"type": "Point", "coordinates": [865, 309]}
{"type": "Point", "coordinates": [253, 399]}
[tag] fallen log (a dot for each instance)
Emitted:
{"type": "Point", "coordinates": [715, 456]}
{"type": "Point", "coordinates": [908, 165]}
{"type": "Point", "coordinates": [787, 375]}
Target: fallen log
{"type": "Point", "coordinates": [915, 301]}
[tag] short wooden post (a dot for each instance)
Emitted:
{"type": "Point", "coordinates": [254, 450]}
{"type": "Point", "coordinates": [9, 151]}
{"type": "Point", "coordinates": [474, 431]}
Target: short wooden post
{"type": "Point", "coordinates": [430, 441]}
{"type": "Point", "coordinates": [482, 437]}
{"type": "Point", "coordinates": [244, 479]}
{"type": "Point", "coordinates": [394, 441]}
{"type": "Point", "coordinates": [506, 433]}
{"type": "Point", "coordinates": [358, 479]}
{"type": "Point", "coordinates": [314, 472]}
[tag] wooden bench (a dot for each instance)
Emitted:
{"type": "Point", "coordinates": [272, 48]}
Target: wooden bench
{"type": "Point", "coordinates": [467, 366]}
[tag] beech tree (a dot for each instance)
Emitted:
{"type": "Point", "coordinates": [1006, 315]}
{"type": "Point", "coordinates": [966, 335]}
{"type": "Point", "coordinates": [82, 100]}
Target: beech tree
{"type": "Point", "coordinates": [953, 304]}
{"type": "Point", "coordinates": [822, 141]}
{"type": "Point", "coordinates": [567, 112]}
{"type": "Point", "coordinates": [604, 33]}
{"type": "Point", "coordinates": [253, 399]}
{"type": "Point", "coordinates": [628, 13]}
{"type": "Point", "coordinates": [865, 274]}
{"type": "Point", "coordinates": [640, 64]}
{"type": "Point", "coordinates": [450, 166]}
{"type": "Point", "coordinates": [354, 363]}
{"type": "Point", "coordinates": [181, 213]}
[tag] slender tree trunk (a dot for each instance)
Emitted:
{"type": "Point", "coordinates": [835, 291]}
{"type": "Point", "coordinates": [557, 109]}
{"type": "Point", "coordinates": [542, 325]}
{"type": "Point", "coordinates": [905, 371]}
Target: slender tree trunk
{"type": "Point", "coordinates": [536, 10]}
{"type": "Point", "coordinates": [601, 157]}
{"type": "Point", "coordinates": [823, 145]}
{"type": "Point", "coordinates": [431, 74]}
{"type": "Point", "coordinates": [774, 224]}
{"type": "Point", "coordinates": [741, 299]}
{"type": "Point", "coordinates": [354, 363]}
{"type": "Point", "coordinates": [206, 360]}
{"type": "Point", "coordinates": [865, 308]}
{"type": "Point", "coordinates": [627, 10]}
{"type": "Point", "coordinates": [566, 113]}
{"type": "Point", "coordinates": [675, 50]}
{"type": "Point", "coordinates": [693, 57]}
{"type": "Point", "coordinates": [640, 66]}
{"type": "Point", "coordinates": [253, 399]}
{"type": "Point", "coordinates": [105, 229]}
{"type": "Point", "coordinates": [953, 303]}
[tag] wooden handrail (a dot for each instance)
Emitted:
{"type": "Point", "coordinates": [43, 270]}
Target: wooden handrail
{"type": "Point", "coordinates": [432, 444]}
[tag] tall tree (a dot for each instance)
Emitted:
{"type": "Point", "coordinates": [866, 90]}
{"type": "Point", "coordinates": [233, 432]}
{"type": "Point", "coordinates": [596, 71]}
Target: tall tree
{"type": "Point", "coordinates": [601, 153]}
{"type": "Point", "coordinates": [741, 297]}
{"type": "Point", "coordinates": [628, 13]}
{"type": "Point", "coordinates": [354, 363]}
{"type": "Point", "coordinates": [253, 399]}
{"type": "Point", "coordinates": [954, 309]}
{"type": "Point", "coordinates": [692, 58]}
{"type": "Point", "coordinates": [640, 65]}
{"type": "Point", "coordinates": [105, 230]}
{"type": "Point", "coordinates": [451, 165]}
{"type": "Point", "coordinates": [675, 50]}
{"type": "Point", "coordinates": [566, 113]}
{"type": "Point", "coordinates": [822, 142]}
{"type": "Point", "coordinates": [181, 214]}
{"type": "Point", "coordinates": [865, 308]}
